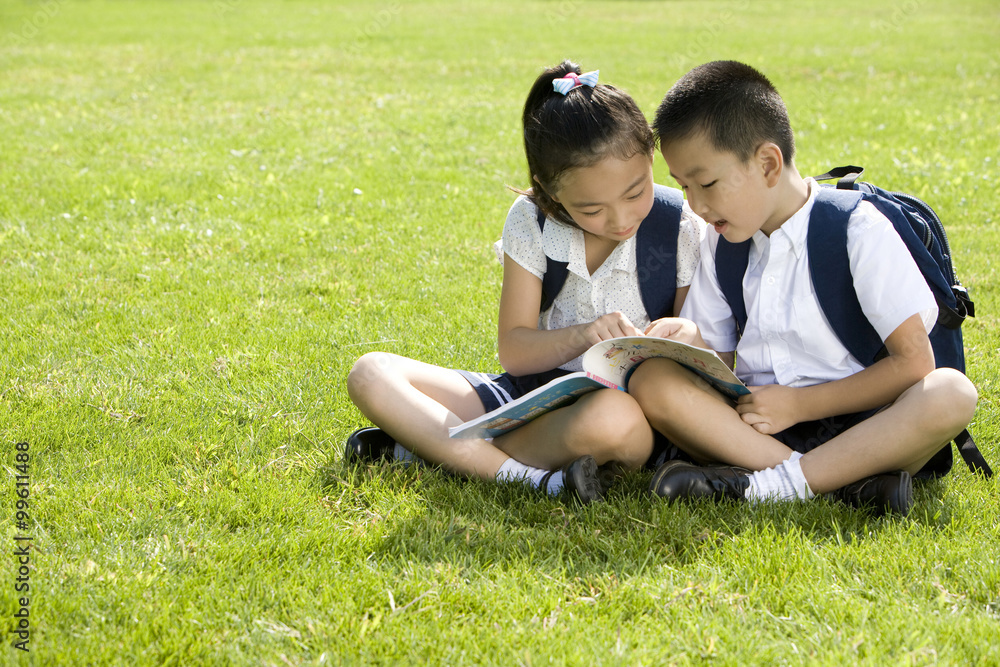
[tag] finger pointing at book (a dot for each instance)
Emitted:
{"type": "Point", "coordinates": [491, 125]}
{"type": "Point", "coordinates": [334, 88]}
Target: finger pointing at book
{"type": "Point", "coordinates": [605, 327]}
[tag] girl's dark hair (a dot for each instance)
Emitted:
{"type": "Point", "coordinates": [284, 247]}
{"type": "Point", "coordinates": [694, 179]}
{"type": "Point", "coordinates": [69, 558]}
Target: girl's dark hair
{"type": "Point", "coordinates": [563, 132]}
{"type": "Point", "coordinates": [733, 104]}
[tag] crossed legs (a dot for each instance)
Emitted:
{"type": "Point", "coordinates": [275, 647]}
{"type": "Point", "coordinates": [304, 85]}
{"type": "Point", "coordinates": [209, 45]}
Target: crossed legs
{"type": "Point", "coordinates": [902, 436]}
{"type": "Point", "coordinates": [416, 403]}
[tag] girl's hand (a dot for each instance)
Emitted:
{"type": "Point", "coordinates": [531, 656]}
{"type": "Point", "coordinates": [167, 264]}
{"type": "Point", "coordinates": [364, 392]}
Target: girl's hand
{"type": "Point", "coordinates": [612, 325]}
{"type": "Point", "coordinates": [676, 328]}
{"type": "Point", "coordinates": [769, 409]}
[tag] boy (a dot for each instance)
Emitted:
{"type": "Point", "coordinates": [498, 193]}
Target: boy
{"type": "Point", "coordinates": [816, 421]}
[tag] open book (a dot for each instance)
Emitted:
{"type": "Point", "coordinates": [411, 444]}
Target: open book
{"type": "Point", "coordinates": [606, 364]}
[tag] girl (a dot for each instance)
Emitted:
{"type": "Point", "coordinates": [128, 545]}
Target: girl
{"type": "Point", "coordinates": [590, 157]}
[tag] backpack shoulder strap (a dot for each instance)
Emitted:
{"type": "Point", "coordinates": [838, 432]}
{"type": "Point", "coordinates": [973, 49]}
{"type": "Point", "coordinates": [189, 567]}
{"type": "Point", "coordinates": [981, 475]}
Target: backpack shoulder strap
{"type": "Point", "coordinates": [555, 273]}
{"type": "Point", "coordinates": [973, 457]}
{"type": "Point", "coordinates": [731, 261]}
{"type": "Point", "coordinates": [656, 252]}
{"type": "Point", "coordinates": [830, 270]}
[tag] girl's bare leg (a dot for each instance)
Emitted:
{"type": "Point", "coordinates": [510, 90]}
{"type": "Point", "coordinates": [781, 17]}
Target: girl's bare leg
{"type": "Point", "coordinates": [416, 403]}
{"type": "Point", "coordinates": [607, 424]}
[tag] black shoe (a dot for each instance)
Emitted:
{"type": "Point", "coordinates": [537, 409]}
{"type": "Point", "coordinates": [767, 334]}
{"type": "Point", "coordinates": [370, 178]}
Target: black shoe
{"type": "Point", "coordinates": [888, 493]}
{"type": "Point", "coordinates": [609, 473]}
{"type": "Point", "coordinates": [680, 479]}
{"type": "Point", "coordinates": [369, 445]}
{"type": "Point", "coordinates": [580, 479]}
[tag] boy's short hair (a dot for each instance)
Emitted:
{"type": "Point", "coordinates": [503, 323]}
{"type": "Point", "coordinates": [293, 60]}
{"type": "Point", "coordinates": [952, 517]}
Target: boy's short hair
{"type": "Point", "coordinates": [733, 104]}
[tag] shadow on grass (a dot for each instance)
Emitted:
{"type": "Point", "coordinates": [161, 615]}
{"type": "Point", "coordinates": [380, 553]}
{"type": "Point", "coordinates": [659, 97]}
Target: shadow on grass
{"type": "Point", "coordinates": [422, 515]}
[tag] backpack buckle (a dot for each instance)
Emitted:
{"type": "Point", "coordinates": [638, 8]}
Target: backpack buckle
{"type": "Point", "coordinates": [962, 296]}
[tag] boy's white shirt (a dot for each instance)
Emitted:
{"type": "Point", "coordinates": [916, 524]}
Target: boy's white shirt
{"type": "Point", "coordinates": [788, 340]}
{"type": "Point", "coordinates": [584, 297]}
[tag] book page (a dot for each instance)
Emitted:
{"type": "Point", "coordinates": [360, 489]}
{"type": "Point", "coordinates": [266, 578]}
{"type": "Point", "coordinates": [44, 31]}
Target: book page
{"type": "Point", "coordinates": [616, 358]}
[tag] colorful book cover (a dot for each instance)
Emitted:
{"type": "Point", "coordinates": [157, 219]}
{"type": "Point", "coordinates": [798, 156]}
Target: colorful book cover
{"type": "Point", "coordinates": [607, 364]}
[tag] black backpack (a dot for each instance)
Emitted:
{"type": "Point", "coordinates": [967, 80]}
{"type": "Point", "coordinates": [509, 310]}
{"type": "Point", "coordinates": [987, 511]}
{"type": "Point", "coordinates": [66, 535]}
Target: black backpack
{"type": "Point", "coordinates": [655, 256]}
{"type": "Point", "coordinates": [925, 238]}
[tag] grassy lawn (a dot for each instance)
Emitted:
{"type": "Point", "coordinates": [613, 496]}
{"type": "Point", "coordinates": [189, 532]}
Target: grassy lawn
{"type": "Point", "coordinates": [209, 210]}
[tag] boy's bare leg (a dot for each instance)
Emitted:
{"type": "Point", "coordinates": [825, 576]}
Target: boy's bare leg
{"type": "Point", "coordinates": [698, 419]}
{"type": "Point", "coordinates": [904, 436]}
{"type": "Point", "coordinates": [416, 403]}
{"type": "Point", "coordinates": [607, 424]}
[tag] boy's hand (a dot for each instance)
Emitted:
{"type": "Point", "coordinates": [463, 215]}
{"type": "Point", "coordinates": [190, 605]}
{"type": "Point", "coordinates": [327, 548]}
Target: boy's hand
{"type": "Point", "coordinates": [769, 409]}
{"type": "Point", "coordinates": [676, 328]}
{"type": "Point", "coordinates": [612, 325]}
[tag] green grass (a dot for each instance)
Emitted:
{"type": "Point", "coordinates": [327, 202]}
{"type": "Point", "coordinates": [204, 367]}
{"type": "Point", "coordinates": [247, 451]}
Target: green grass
{"type": "Point", "coordinates": [187, 275]}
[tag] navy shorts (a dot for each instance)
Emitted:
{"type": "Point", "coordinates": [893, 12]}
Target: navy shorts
{"type": "Point", "coordinates": [806, 436]}
{"type": "Point", "coordinates": [496, 390]}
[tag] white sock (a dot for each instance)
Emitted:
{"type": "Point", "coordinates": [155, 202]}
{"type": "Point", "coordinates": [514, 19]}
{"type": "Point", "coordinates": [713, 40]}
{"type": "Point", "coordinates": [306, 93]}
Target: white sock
{"type": "Point", "coordinates": [784, 481]}
{"type": "Point", "coordinates": [555, 484]}
{"type": "Point", "coordinates": [515, 471]}
{"type": "Point", "coordinates": [794, 469]}
{"type": "Point", "coordinates": [400, 453]}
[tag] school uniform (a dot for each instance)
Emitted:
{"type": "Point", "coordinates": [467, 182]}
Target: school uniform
{"type": "Point", "coordinates": [614, 286]}
{"type": "Point", "coordinates": [787, 339]}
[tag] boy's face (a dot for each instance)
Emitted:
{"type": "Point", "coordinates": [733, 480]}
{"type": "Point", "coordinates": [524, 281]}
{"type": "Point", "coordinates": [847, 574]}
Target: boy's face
{"type": "Point", "coordinates": [726, 192]}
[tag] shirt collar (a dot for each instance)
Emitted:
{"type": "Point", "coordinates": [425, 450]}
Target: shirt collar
{"type": "Point", "coordinates": [577, 249]}
{"type": "Point", "coordinates": [795, 229]}
{"type": "Point", "coordinates": [567, 244]}
{"type": "Point", "coordinates": [625, 260]}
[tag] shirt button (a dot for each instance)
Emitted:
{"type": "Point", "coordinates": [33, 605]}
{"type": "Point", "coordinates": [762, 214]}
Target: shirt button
{"type": "Point", "coordinates": [771, 280]}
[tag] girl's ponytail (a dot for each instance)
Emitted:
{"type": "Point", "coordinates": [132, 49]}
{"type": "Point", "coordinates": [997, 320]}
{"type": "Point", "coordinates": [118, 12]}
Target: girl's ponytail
{"type": "Point", "coordinates": [540, 93]}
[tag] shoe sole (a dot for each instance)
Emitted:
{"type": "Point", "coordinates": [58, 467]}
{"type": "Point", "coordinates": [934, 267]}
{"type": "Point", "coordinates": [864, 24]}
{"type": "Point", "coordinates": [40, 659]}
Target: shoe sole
{"type": "Point", "coordinates": [609, 473]}
{"type": "Point", "coordinates": [582, 479]}
{"type": "Point", "coordinates": [903, 500]}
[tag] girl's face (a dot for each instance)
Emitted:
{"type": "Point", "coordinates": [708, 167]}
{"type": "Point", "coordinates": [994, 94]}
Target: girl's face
{"type": "Point", "coordinates": [609, 199]}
